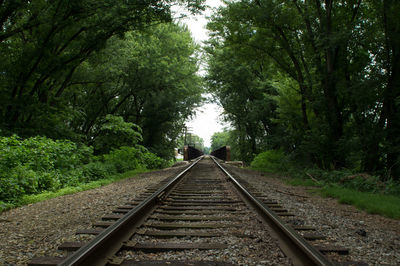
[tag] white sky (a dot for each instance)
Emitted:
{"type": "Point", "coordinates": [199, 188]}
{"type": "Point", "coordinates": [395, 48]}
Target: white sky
{"type": "Point", "coordinates": [206, 122]}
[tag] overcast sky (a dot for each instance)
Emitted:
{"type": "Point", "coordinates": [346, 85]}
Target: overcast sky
{"type": "Point", "coordinates": [207, 120]}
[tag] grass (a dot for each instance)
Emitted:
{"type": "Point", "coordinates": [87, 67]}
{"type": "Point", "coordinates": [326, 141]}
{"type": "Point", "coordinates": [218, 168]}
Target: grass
{"type": "Point", "coordinates": [386, 205]}
{"type": "Point", "coordinates": [29, 199]}
{"type": "Point", "coordinates": [373, 203]}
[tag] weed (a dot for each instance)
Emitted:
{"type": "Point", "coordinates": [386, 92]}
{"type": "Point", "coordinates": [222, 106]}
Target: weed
{"type": "Point", "coordinates": [386, 205]}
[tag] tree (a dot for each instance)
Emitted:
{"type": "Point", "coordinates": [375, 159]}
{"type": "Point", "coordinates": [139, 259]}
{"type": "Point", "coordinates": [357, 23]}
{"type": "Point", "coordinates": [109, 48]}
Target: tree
{"type": "Point", "coordinates": [115, 133]}
{"type": "Point", "coordinates": [44, 42]}
{"type": "Point", "coordinates": [229, 138]}
{"type": "Point", "coordinates": [148, 79]}
{"type": "Point", "coordinates": [237, 78]}
{"type": "Point", "coordinates": [219, 139]}
{"type": "Point", "coordinates": [331, 66]}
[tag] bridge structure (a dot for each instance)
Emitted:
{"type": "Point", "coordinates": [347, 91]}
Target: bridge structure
{"type": "Point", "coordinates": [223, 153]}
{"type": "Point", "coordinates": [190, 153]}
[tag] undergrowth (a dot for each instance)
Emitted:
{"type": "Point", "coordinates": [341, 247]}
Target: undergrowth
{"type": "Point", "coordinates": [37, 166]}
{"type": "Point", "coordinates": [366, 192]}
{"type": "Point", "coordinates": [29, 199]}
{"type": "Point", "coordinates": [386, 205]}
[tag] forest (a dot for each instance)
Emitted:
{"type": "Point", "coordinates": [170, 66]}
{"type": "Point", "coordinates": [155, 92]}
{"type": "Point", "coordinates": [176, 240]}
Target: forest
{"type": "Point", "coordinates": [91, 89]}
{"type": "Point", "coordinates": [313, 83]}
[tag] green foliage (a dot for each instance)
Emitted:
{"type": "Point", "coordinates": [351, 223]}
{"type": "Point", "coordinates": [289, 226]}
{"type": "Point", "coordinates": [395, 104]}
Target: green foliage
{"type": "Point", "coordinates": [115, 133]}
{"type": "Point", "coordinates": [29, 199]}
{"type": "Point", "coordinates": [41, 153]}
{"type": "Point", "coordinates": [79, 70]}
{"type": "Point", "coordinates": [363, 191]}
{"type": "Point", "coordinates": [386, 205]}
{"type": "Point", "coordinates": [327, 95]}
{"type": "Point", "coordinates": [219, 139]}
{"type": "Point", "coordinates": [128, 158]}
{"type": "Point", "coordinates": [42, 44]}
{"type": "Point", "coordinates": [113, 76]}
{"type": "Point", "coordinates": [270, 161]}
{"type": "Point", "coordinates": [344, 178]}
{"type": "Point", "coordinates": [206, 150]}
{"type": "Point", "coordinates": [38, 164]}
{"type": "Point", "coordinates": [148, 79]}
{"type": "Point", "coordinates": [392, 187]}
{"type": "Point", "coordinates": [95, 171]}
{"type": "Point", "coordinates": [152, 161]}
{"type": "Point", "coordinates": [125, 158]}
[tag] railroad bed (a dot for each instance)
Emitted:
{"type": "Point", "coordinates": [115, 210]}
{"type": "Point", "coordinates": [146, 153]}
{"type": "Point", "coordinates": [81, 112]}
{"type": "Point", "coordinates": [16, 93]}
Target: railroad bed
{"type": "Point", "coordinates": [199, 217]}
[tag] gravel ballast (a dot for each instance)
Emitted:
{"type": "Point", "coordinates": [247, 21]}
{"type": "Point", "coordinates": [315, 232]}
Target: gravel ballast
{"type": "Point", "coordinates": [370, 238]}
{"type": "Point", "coordinates": [37, 230]}
{"type": "Point", "coordinates": [245, 239]}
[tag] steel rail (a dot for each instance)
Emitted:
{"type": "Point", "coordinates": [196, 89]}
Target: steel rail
{"type": "Point", "coordinates": [94, 253]}
{"type": "Point", "coordinates": [301, 252]}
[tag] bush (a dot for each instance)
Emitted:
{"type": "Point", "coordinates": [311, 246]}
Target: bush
{"type": "Point", "coordinates": [71, 178]}
{"type": "Point", "coordinates": [42, 154]}
{"type": "Point", "coordinates": [346, 179]}
{"type": "Point", "coordinates": [125, 158]}
{"type": "Point", "coordinates": [36, 164]}
{"type": "Point", "coordinates": [49, 180]}
{"type": "Point", "coordinates": [271, 161]}
{"type": "Point", "coordinates": [39, 164]}
{"type": "Point", "coordinates": [94, 171]}
{"type": "Point", "coordinates": [392, 187]}
{"type": "Point", "coordinates": [152, 161]}
{"type": "Point", "coordinates": [17, 182]}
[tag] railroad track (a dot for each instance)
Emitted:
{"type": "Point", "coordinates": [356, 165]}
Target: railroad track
{"type": "Point", "coordinates": [203, 210]}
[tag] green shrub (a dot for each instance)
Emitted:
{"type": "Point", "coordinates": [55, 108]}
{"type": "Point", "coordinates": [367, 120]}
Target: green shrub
{"type": "Point", "coordinates": [392, 187]}
{"type": "Point", "coordinates": [346, 179]}
{"type": "Point", "coordinates": [38, 164]}
{"type": "Point", "coordinates": [362, 183]}
{"type": "Point", "coordinates": [271, 161]}
{"type": "Point", "coordinates": [71, 178]}
{"type": "Point", "coordinates": [17, 182]}
{"type": "Point", "coordinates": [41, 153]}
{"type": "Point", "coordinates": [32, 165]}
{"type": "Point", "coordinates": [125, 158]}
{"type": "Point", "coordinates": [48, 180]}
{"type": "Point", "coordinates": [152, 161]}
{"type": "Point", "coordinates": [95, 171]}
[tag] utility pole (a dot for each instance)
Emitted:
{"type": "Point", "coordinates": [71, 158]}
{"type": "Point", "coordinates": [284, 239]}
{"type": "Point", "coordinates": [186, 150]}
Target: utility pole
{"type": "Point", "coordinates": [185, 132]}
{"type": "Point", "coordinates": [188, 136]}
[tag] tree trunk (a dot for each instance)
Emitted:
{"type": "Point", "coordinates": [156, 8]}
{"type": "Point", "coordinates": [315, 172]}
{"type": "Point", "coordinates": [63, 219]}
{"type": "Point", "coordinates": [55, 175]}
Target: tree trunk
{"type": "Point", "coordinates": [391, 108]}
{"type": "Point", "coordinates": [333, 112]}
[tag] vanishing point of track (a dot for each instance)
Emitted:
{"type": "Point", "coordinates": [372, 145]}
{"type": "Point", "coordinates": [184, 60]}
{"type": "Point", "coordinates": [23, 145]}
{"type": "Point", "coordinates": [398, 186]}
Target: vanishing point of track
{"type": "Point", "coordinates": [195, 203]}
